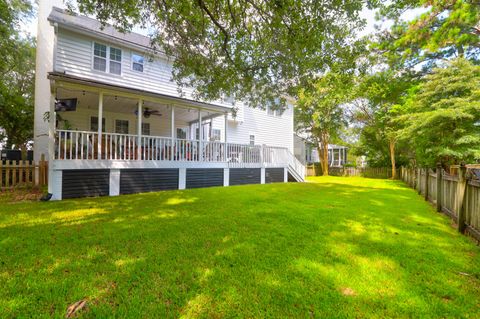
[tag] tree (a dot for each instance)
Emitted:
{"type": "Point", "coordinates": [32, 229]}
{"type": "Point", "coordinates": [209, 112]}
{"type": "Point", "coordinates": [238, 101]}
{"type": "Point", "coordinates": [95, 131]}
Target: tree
{"type": "Point", "coordinates": [443, 118]}
{"type": "Point", "coordinates": [17, 81]}
{"type": "Point", "coordinates": [253, 49]}
{"type": "Point", "coordinates": [319, 111]}
{"type": "Point", "coordinates": [16, 97]}
{"type": "Point", "coordinates": [446, 29]}
{"type": "Point", "coordinates": [378, 103]}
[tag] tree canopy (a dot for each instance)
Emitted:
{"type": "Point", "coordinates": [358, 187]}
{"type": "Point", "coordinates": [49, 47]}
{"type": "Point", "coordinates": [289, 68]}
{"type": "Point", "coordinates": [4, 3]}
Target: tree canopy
{"type": "Point", "coordinates": [17, 67]}
{"type": "Point", "coordinates": [254, 50]}
{"type": "Point", "coordinates": [442, 120]}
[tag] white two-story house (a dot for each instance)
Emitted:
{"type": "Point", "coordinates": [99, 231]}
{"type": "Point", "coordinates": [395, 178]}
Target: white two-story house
{"type": "Point", "coordinates": [111, 121]}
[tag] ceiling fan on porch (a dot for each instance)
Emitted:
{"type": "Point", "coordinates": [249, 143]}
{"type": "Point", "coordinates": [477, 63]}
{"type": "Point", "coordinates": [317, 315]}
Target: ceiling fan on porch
{"type": "Point", "coordinates": [147, 112]}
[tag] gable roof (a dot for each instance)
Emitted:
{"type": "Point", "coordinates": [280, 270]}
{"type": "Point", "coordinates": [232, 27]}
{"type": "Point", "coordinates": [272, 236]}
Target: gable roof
{"type": "Point", "coordinates": [92, 27]}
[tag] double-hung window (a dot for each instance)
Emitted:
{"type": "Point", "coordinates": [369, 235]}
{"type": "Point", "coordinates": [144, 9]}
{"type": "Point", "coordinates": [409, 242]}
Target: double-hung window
{"type": "Point", "coordinates": [121, 126]}
{"type": "Point", "coordinates": [252, 140]}
{"type": "Point", "coordinates": [137, 62]}
{"type": "Point", "coordinates": [107, 59]}
{"type": "Point", "coordinates": [274, 112]}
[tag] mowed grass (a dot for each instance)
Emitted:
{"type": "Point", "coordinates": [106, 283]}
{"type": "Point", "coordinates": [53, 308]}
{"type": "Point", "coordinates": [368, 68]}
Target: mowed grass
{"type": "Point", "coordinates": [331, 248]}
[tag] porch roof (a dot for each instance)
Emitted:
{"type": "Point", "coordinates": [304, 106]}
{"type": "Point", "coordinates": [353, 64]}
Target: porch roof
{"type": "Point", "coordinates": [88, 84]}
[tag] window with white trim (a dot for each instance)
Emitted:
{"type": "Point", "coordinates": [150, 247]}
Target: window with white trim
{"type": "Point", "coordinates": [145, 128]}
{"type": "Point", "coordinates": [216, 135]}
{"type": "Point", "coordinates": [137, 62]}
{"type": "Point", "coordinates": [121, 126]}
{"type": "Point", "coordinates": [107, 59]}
{"type": "Point", "coordinates": [252, 140]}
{"type": "Point", "coordinates": [94, 124]}
{"type": "Point", "coordinates": [181, 133]}
{"type": "Point", "coordinates": [99, 57]}
{"type": "Point", "coordinates": [277, 112]}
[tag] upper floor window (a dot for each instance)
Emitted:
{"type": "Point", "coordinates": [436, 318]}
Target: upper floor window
{"type": "Point", "coordinates": [277, 112]}
{"type": "Point", "coordinates": [107, 59]}
{"type": "Point", "coordinates": [137, 62]}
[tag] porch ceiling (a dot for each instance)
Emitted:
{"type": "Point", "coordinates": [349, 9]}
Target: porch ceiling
{"type": "Point", "coordinates": [120, 104]}
{"type": "Point", "coordinates": [62, 80]}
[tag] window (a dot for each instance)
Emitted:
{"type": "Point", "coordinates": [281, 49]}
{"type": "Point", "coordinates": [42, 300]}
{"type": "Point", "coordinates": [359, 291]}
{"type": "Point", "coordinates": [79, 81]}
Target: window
{"type": "Point", "coordinates": [145, 128]}
{"type": "Point", "coordinates": [252, 140]}
{"type": "Point", "coordinates": [115, 61]}
{"type": "Point", "coordinates": [100, 57]}
{"type": "Point", "coordinates": [94, 124]}
{"type": "Point", "coordinates": [216, 135]}
{"type": "Point", "coordinates": [182, 133]}
{"type": "Point", "coordinates": [229, 99]}
{"type": "Point", "coordinates": [121, 126]}
{"type": "Point", "coordinates": [274, 112]}
{"type": "Point", "coordinates": [137, 62]}
{"type": "Point", "coordinates": [104, 56]}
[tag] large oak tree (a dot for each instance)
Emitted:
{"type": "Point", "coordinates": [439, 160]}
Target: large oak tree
{"type": "Point", "coordinates": [256, 50]}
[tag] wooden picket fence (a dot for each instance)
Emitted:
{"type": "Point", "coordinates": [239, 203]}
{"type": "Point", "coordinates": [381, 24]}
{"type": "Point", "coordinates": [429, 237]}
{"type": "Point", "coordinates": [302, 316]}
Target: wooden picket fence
{"type": "Point", "coordinates": [456, 194]}
{"type": "Point", "coordinates": [369, 172]}
{"type": "Point", "coordinates": [23, 173]}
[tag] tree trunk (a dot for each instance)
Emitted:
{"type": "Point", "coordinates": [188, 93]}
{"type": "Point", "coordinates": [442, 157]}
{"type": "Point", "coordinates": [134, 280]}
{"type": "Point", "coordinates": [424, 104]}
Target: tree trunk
{"type": "Point", "coordinates": [392, 158]}
{"type": "Point", "coordinates": [325, 158]}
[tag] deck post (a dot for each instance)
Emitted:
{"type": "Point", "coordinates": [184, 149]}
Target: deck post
{"type": "Point", "coordinates": [99, 126]}
{"type": "Point", "coordinates": [226, 177]}
{"type": "Point", "coordinates": [114, 189]}
{"type": "Point", "coordinates": [139, 129]}
{"type": "Point", "coordinates": [262, 175]}
{"type": "Point", "coordinates": [285, 174]}
{"type": "Point", "coordinates": [439, 187]}
{"type": "Point", "coordinates": [182, 178]}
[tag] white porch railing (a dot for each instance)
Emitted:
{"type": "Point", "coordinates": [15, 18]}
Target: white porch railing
{"type": "Point", "coordinates": [84, 145]}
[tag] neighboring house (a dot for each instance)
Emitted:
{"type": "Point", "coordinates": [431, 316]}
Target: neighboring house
{"type": "Point", "coordinates": [307, 152]}
{"type": "Point", "coordinates": [122, 127]}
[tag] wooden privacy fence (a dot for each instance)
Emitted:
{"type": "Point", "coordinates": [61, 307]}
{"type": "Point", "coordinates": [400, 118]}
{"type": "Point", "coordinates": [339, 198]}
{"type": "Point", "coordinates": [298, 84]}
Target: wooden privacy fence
{"type": "Point", "coordinates": [370, 172]}
{"type": "Point", "coordinates": [457, 196]}
{"type": "Point", "coordinates": [16, 173]}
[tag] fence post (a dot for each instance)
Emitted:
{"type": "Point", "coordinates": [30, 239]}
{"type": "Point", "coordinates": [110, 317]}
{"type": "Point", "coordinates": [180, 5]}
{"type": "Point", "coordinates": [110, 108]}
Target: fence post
{"type": "Point", "coordinates": [419, 180]}
{"type": "Point", "coordinates": [36, 175]}
{"type": "Point", "coordinates": [439, 187]}
{"type": "Point", "coordinates": [427, 176]}
{"type": "Point", "coordinates": [461, 189]}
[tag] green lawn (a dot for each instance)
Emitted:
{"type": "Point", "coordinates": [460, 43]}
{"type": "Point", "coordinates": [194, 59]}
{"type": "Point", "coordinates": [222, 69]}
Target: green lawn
{"type": "Point", "coordinates": [334, 247]}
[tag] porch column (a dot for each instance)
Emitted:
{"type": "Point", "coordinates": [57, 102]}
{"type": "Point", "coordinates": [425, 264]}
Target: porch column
{"type": "Point", "coordinates": [51, 141]}
{"type": "Point", "coordinates": [226, 127]}
{"type": "Point", "coordinates": [139, 129]}
{"type": "Point", "coordinates": [225, 134]}
{"type": "Point", "coordinates": [99, 125]}
{"type": "Point", "coordinates": [200, 136]}
{"type": "Point", "coordinates": [172, 131]}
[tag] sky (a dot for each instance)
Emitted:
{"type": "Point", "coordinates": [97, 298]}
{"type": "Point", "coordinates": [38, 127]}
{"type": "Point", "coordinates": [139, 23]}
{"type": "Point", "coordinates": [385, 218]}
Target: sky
{"type": "Point", "coordinates": [30, 26]}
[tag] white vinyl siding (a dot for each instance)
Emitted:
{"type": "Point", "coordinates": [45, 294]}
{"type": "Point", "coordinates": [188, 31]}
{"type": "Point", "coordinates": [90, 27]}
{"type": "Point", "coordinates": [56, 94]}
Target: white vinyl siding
{"type": "Point", "coordinates": [75, 56]}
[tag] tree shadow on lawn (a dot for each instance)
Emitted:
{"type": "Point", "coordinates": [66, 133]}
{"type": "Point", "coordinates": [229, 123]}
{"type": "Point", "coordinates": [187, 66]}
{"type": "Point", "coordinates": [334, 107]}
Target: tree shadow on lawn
{"type": "Point", "coordinates": [281, 250]}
